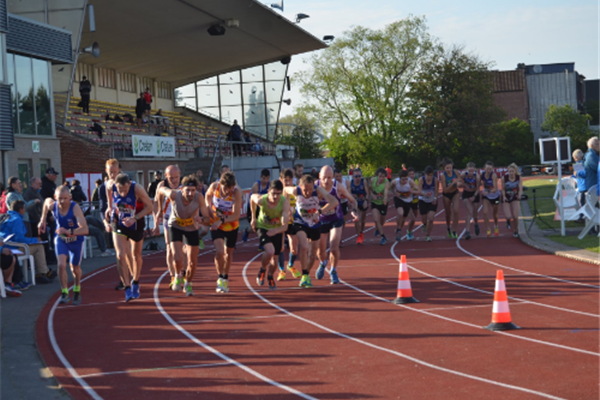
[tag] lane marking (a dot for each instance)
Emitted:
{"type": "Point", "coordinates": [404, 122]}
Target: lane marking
{"type": "Point", "coordinates": [217, 352]}
{"type": "Point", "coordinates": [232, 319]}
{"type": "Point", "coordinates": [384, 349]}
{"type": "Point", "coordinates": [135, 371]}
{"type": "Point", "coordinates": [459, 307]}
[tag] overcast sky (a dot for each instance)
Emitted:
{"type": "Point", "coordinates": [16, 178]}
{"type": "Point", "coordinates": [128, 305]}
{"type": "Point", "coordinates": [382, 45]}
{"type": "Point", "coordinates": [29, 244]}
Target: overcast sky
{"type": "Point", "coordinates": [506, 32]}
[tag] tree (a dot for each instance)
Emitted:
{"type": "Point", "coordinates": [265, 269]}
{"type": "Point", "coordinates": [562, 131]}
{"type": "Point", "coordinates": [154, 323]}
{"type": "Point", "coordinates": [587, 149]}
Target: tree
{"type": "Point", "coordinates": [359, 85]}
{"type": "Point", "coordinates": [300, 130]}
{"type": "Point", "coordinates": [451, 108]}
{"type": "Point", "coordinates": [511, 141]}
{"type": "Point", "coordinates": [565, 121]}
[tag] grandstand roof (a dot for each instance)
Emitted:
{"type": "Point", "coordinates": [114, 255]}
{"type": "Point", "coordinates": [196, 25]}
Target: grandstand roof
{"type": "Point", "coordinates": [167, 39]}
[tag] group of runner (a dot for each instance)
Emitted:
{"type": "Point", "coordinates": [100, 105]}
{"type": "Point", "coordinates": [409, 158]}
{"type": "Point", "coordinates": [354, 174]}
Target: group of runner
{"type": "Point", "coordinates": [308, 212]}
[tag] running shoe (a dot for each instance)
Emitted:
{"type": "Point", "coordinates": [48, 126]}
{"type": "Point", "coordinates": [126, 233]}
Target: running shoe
{"type": "Point", "coordinates": [120, 286]}
{"type": "Point", "coordinates": [398, 236]}
{"type": "Point", "coordinates": [297, 274]}
{"type": "Point", "coordinates": [508, 224]}
{"type": "Point", "coordinates": [22, 286]}
{"type": "Point", "coordinates": [376, 233]}
{"type": "Point", "coordinates": [187, 289]}
{"type": "Point", "coordinates": [515, 234]}
{"type": "Point", "coordinates": [282, 275]}
{"type": "Point", "coordinates": [454, 235]}
{"type": "Point", "coordinates": [220, 285]}
{"type": "Point", "coordinates": [245, 235]}
{"type": "Point", "coordinates": [260, 279]}
{"type": "Point", "coordinates": [467, 236]}
{"type": "Point", "coordinates": [428, 239]}
{"type": "Point", "coordinates": [135, 290]}
{"type": "Point", "coordinates": [449, 233]}
{"type": "Point", "coordinates": [321, 270]}
{"type": "Point", "coordinates": [172, 282]}
{"type": "Point", "coordinates": [178, 285]}
{"type": "Point", "coordinates": [201, 244]}
{"type": "Point", "coordinates": [11, 291]}
{"type": "Point", "coordinates": [128, 294]}
{"type": "Point", "coordinates": [334, 277]}
{"type": "Point", "coordinates": [76, 298]}
{"type": "Point", "coordinates": [305, 281]}
{"type": "Point", "coordinates": [496, 233]}
{"type": "Point", "coordinates": [64, 298]}
{"type": "Point", "coordinates": [383, 241]}
{"type": "Point", "coordinates": [410, 236]}
{"type": "Point", "coordinates": [260, 248]}
{"type": "Point", "coordinates": [360, 239]}
{"type": "Point", "coordinates": [225, 288]}
{"type": "Point", "coordinates": [489, 233]}
{"type": "Point", "coordinates": [477, 230]}
{"type": "Point", "coordinates": [272, 285]}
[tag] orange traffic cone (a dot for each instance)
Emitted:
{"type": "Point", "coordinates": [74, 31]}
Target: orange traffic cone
{"type": "Point", "coordinates": [404, 289]}
{"type": "Point", "coordinates": [501, 320]}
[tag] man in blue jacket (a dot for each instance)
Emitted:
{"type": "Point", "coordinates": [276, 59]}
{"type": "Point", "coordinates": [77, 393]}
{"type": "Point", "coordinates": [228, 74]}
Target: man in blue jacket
{"type": "Point", "coordinates": [14, 225]}
{"type": "Point", "coordinates": [590, 163]}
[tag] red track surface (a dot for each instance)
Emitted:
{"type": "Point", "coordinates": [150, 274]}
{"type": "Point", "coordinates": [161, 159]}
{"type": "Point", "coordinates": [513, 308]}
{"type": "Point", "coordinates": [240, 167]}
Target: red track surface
{"type": "Point", "coordinates": [335, 342]}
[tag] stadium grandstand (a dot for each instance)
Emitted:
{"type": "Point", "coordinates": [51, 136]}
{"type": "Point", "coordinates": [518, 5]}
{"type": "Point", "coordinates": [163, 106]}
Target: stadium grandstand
{"type": "Point", "coordinates": [184, 51]}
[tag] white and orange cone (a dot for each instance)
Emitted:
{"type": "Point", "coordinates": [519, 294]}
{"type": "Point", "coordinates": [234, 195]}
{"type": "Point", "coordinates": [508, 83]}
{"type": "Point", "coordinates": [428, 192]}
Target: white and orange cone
{"type": "Point", "coordinates": [501, 320]}
{"type": "Point", "coordinates": [404, 295]}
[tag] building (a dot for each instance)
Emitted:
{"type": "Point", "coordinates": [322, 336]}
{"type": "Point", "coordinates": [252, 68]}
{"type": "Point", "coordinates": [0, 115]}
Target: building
{"type": "Point", "coordinates": [592, 102]}
{"type": "Point", "coordinates": [510, 93]}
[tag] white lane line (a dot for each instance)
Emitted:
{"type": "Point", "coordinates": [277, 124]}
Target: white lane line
{"type": "Point", "coordinates": [217, 352]}
{"type": "Point", "coordinates": [199, 321]}
{"type": "Point", "coordinates": [459, 307]}
{"type": "Point", "coordinates": [136, 371]}
{"type": "Point", "coordinates": [396, 353]}
{"type": "Point", "coordinates": [111, 302]}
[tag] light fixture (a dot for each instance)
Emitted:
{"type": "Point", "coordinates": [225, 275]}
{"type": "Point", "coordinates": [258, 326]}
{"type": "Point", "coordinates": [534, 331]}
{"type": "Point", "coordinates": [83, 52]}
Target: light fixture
{"type": "Point", "coordinates": [300, 17]}
{"type": "Point", "coordinates": [287, 101]}
{"type": "Point", "coordinates": [216, 30]}
{"type": "Point", "coordinates": [278, 6]}
{"type": "Point", "coordinates": [94, 50]}
{"type": "Point", "coordinates": [285, 60]}
{"type": "Point", "coordinates": [328, 38]}
{"type": "Point", "coordinates": [233, 23]}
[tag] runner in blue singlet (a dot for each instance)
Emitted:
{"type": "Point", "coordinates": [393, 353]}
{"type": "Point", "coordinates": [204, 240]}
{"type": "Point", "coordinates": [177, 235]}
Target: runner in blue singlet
{"type": "Point", "coordinates": [449, 180]}
{"type": "Point", "coordinates": [361, 193]}
{"type": "Point", "coordinates": [491, 197]}
{"type": "Point", "coordinates": [470, 182]}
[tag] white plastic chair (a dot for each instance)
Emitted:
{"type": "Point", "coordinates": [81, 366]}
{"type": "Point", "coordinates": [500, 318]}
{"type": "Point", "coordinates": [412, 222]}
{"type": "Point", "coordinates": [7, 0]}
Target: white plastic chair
{"type": "Point", "coordinates": [87, 247]}
{"type": "Point", "coordinates": [566, 188]}
{"type": "Point", "coordinates": [593, 221]}
{"type": "Point", "coordinates": [2, 289]}
{"type": "Point", "coordinates": [26, 256]}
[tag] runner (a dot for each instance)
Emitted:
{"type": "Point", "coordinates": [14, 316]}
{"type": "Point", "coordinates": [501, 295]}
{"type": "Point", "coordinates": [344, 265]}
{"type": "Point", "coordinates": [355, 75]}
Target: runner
{"type": "Point", "coordinates": [162, 207]}
{"type": "Point", "coordinates": [512, 190]}
{"type": "Point", "coordinates": [428, 188]}
{"type": "Point", "coordinates": [273, 211]}
{"type": "Point", "coordinates": [415, 203]}
{"type": "Point", "coordinates": [361, 192]}
{"type": "Point", "coordinates": [128, 204]}
{"type": "Point", "coordinates": [380, 188]}
{"type": "Point", "coordinates": [470, 182]}
{"type": "Point", "coordinates": [224, 202]}
{"type": "Point", "coordinates": [491, 197]}
{"type": "Point", "coordinates": [449, 180]}
{"type": "Point", "coordinates": [343, 201]}
{"type": "Point", "coordinates": [307, 221]}
{"type": "Point", "coordinates": [187, 204]}
{"type": "Point", "coordinates": [287, 178]}
{"type": "Point", "coordinates": [259, 187]}
{"type": "Point", "coordinates": [204, 229]}
{"type": "Point", "coordinates": [71, 228]}
{"type": "Point", "coordinates": [404, 190]}
{"type": "Point", "coordinates": [332, 223]}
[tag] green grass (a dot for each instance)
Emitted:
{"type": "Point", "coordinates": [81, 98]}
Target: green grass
{"type": "Point", "coordinates": [589, 242]}
{"type": "Point", "coordinates": [544, 191]}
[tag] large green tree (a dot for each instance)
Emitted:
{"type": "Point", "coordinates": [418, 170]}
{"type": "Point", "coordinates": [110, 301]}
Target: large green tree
{"type": "Point", "coordinates": [511, 142]}
{"type": "Point", "coordinates": [565, 121]}
{"type": "Point", "coordinates": [358, 87]}
{"type": "Point", "coordinates": [301, 130]}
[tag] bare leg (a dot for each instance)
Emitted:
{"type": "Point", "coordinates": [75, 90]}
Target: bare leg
{"type": "Point", "coordinates": [312, 254]}
{"type": "Point", "coordinates": [192, 257]}
{"type": "Point", "coordinates": [62, 271]}
{"type": "Point", "coordinates": [447, 211]}
{"type": "Point", "coordinates": [123, 252]}
{"type": "Point", "coordinates": [322, 249]}
{"type": "Point", "coordinates": [7, 274]}
{"type": "Point", "coordinates": [136, 250]}
{"type": "Point", "coordinates": [516, 211]}
{"type": "Point", "coordinates": [170, 260]}
{"type": "Point", "coordinates": [377, 218]}
{"type": "Point", "coordinates": [486, 214]}
{"type": "Point", "coordinates": [430, 217]}
{"type": "Point", "coordinates": [269, 251]}
{"type": "Point", "coordinates": [177, 255]}
{"type": "Point", "coordinates": [455, 212]}
{"type": "Point", "coordinates": [219, 255]}
{"type": "Point", "coordinates": [469, 207]}
{"type": "Point", "coordinates": [495, 211]}
{"type": "Point", "coordinates": [335, 237]}
{"type": "Point", "coordinates": [228, 260]}
{"type": "Point", "coordinates": [76, 270]}
{"type": "Point", "coordinates": [302, 249]}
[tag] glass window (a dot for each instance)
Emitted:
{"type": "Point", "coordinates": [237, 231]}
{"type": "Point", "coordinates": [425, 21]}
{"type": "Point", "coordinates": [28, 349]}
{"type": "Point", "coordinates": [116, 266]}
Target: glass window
{"type": "Point", "coordinates": [230, 95]}
{"type": "Point", "coordinates": [208, 81]}
{"type": "Point", "coordinates": [128, 83]}
{"type": "Point", "coordinates": [275, 71]}
{"type": "Point", "coordinates": [254, 74]}
{"type": "Point", "coordinates": [273, 112]}
{"type": "Point", "coordinates": [210, 111]}
{"type": "Point", "coordinates": [257, 130]}
{"type": "Point", "coordinates": [2, 76]}
{"type": "Point", "coordinates": [208, 96]}
{"type": "Point", "coordinates": [253, 93]}
{"type": "Point", "coordinates": [229, 113]}
{"type": "Point", "coordinates": [43, 113]}
{"type": "Point", "coordinates": [25, 96]}
{"type": "Point", "coordinates": [23, 172]}
{"type": "Point", "coordinates": [254, 114]}
{"type": "Point", "coordinates": [274, 91]}
{"type": "Point", "coordinates": [44, 165]}
{"type": "Point", "coordinates": [10, 64]}
{"type": "Point", "coordinates": [230, 77]}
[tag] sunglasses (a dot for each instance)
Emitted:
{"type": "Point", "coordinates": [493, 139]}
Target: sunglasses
{"type": "Point", "coordinates": [358, 176]}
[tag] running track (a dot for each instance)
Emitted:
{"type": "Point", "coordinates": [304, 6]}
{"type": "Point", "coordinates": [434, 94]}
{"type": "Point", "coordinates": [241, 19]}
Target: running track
{"type": "Point", "coordinates": [338, 342]}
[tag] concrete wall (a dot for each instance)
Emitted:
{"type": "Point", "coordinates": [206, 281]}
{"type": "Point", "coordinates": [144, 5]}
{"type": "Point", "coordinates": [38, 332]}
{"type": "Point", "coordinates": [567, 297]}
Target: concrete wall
{"type": "Point", "coordinates": [49, 153]}
{"type": "Point", "coordinates": [514, 103]}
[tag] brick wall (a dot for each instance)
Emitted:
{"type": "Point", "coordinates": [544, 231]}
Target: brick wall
{"type": "Point", "coordinates": [81, 156]}
{"type": "Point", "coordinates": [514, 103]}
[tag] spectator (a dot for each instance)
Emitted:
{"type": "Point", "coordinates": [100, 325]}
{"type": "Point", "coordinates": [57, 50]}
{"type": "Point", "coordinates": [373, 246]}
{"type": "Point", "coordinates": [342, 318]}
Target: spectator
{"type": "Point", "coordinates": [350, 170]}
{"type": "Point", "coordinates": [140, 109]}
{"type": "Point", "coordinates": [258, 147]}
{"type": "Point", "coordinates": [15, 225]}
{"type": "Point", "coordinates": [388, 170]}
{"type": "Point", "coordinates": [590, 163]}
{"type": "Point", "coordinates": [199, 174]}
{"type": "Point", "coordinates": [95, 195]}
{"type": "Point", "coordinates": [235, 136]}
{"type": "Point", "coordinates": [67, 184]}
{"type": "Point", "coordinates": [248, 146]}
{"type": "Point", "coordinates": [118, 119]}
{"type": "Point", "coordinates": [85, 88]}
{"type": "Point", "coordinates": [152, 186]}
{"type": "Point", "coordinates": [314, 173]}
{"type": "Point", "coordinates": [8, 262]}
{"type": "Point", "coordinates": [77, 194]}
{"type": "Point", "coordinates": [31, 194]}
{"type": "Point", "coordinates": [14, 193]}
{"type": "Point", "coordinates": [147, 101]}
{"type": "Point", "coordinates": [96, 230]}
{"type": "Point", "coordinates": [298, 172]}
{"type": "Point", "coordinates": [48, 183]}
{"type": "Point", "coordinates": [3, 208]}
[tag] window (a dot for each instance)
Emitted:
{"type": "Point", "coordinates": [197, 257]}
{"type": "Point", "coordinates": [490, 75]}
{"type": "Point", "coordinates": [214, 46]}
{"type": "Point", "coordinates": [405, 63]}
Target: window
{"type": "Point", "coordinates": [84, 70]}
{"type": "Point", "coordinates": [23, 168]}
{"type": "Point", "coordinates": [44, 165]}
{"type": "Point", "coordinates": [106, 78]}
{"type": "Point", "coordinates": [164, 90]}
{"type": "Point", "coordinates": [128, 83]}
{"type": "Point", "coordinates": [43, 112]}
{"type": "Point", "coordinates": [146, 83]}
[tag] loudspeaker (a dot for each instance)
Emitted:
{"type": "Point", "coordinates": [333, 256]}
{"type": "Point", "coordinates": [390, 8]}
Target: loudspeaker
{"type": "Point", "coordinates": [94, 50]}
{"type": "Point", "coordinates": [286, 60]}
{"type": "Point", "coordinates": [216, 30]}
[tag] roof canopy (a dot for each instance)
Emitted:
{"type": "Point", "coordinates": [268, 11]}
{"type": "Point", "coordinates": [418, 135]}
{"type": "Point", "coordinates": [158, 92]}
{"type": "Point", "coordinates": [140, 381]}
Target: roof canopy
{"type": "Point", "coordinates": [168, 40]}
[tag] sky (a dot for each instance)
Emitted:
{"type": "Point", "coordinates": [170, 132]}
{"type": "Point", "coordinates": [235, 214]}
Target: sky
{"type": "Point", "coordinates": [506, 32]}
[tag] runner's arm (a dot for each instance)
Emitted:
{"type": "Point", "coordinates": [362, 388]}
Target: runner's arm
{"type": "Point", "coordinates": [386, 193]}
{"type": "Point", "coordinates": [203, 208]}
{"type": "Point", "coordinates": [495, 180]}
{"type": "Point", "coordinates": [332, 202]}
{"type": "Point", "coordinates": [344, 192]}
{"type": "Point", "coordinates": [82, 228]}
{"type": "Point", "coordinates": [237, 207]}
{"type": "Point", "coordinates": [140, 194]}
{"type": "Point", "coordinates": [254, 200]}
{"type": "Point", "coordinates": [286, 215]}
{"type": "Point", "coordinates": [48, 204]}
{"type": "Point", "coordinates": [209, 198]}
